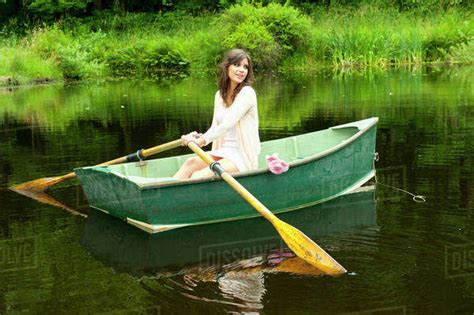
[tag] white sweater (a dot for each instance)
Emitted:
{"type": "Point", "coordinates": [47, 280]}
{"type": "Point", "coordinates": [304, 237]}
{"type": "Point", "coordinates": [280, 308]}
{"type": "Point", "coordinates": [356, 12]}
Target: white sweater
{"type": "Point", "coordinates": [243, 115]}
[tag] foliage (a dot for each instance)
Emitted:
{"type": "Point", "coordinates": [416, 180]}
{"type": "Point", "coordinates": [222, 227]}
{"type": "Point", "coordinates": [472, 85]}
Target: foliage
{"type": "Point", "coordinates": [73, 55]}
{"type": "Point", "coordinates": [451, 31]}
{"type": "Point", "coordinates": [428, 6]}
{"type": "Point", "coordinates": [149, 58]}
{"type": "Point", "coordinates": [267, 32]}
{"type": "Point", "coordinates": [278, 37]}
{"type": "Point", "coordinates": [372, 36]}
{"type": "Point", "coordinates": [462, 53]}
{"type": "Point", "coordinates": [57, 8]}
{"type": "Point", "coordinates": [25, 65]}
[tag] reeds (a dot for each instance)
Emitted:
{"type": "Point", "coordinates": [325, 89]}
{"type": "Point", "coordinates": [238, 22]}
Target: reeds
{"type": "Point", "coordinates": [375, 37]}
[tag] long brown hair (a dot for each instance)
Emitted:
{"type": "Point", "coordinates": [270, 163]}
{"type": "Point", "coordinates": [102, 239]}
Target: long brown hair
{"type": "Point", "coordinates": [231, 57]}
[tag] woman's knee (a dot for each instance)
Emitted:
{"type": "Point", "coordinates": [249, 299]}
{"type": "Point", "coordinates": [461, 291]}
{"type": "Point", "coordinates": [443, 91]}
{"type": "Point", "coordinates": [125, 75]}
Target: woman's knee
{"type": "Point", "coordinates": [229, 166]}
{"type": "Point", "coordinates": [192, 161]}
{"type": "Point", "coordinates": [206, 172]}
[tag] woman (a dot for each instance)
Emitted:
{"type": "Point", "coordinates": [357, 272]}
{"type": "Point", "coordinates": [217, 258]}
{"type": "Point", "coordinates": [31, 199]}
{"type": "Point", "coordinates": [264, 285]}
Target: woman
{"type": "Point", "coordinates": [234, 130]}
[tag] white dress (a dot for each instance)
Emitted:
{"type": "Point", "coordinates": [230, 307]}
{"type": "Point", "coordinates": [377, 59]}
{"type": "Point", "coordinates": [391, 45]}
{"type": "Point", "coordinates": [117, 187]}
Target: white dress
{"type": "Point", "coordinates": [242, 115]}
{"type": "Point", "coordinates": [230, 149]}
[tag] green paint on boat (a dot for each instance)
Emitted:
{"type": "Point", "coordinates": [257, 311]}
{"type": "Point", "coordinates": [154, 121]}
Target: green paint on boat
{"type": "Point", "coordinates": [323, 165]}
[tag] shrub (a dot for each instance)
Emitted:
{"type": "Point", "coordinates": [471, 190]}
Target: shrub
{"type": "Point", "coordinates": [463, 53]}
{"type": "Point", "coordinates": [289, 27]}
{"type": "Point", "coordinates": [55, 8]}
{"type": "Point", "coordinates": [165, 55]}
{"type": "Point", "coordinates": [443, 34]}
{"type": "Point", "coordinates": [268, 33]}
{"type": "Point", "coordinates": [257, 40]}
{"type": "Point", "coordinates": [73, 54]}
{"type": "Point", "coordinates": [23, 66]}
{"type": "Point", "coordinates": [149, 58]}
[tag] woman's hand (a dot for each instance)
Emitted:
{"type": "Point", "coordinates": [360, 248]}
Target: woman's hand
{"type": "Point", "coordinates": [192, 137]}
{"type": "Point", "coordinates": [200, 141]}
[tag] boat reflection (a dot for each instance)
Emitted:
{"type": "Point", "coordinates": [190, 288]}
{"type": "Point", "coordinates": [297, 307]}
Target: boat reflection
{"type": "Point", "coordinates": [250, 243]}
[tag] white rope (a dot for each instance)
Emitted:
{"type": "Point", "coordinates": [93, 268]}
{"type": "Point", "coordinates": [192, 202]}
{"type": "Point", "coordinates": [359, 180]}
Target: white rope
{"type": "Point", "coordinates": [416, 198]}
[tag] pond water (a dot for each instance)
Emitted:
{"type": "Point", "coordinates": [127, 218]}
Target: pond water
{"type": "Point", "coordinates": [403, 257]}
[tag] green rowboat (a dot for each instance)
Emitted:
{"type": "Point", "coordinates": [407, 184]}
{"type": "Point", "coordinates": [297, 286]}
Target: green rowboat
{"type": "Point", "coordinates": [323, 165]}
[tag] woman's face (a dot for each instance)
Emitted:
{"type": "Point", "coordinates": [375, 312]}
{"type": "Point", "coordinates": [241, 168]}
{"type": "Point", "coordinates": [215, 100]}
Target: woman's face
{"type": "Point", "coordinates": [238, 71]}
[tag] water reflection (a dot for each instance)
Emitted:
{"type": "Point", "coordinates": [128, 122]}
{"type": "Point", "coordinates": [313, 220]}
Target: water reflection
{"type": "Point", "coordinates": [425, 144]}
{"type": "Point", "coordinates": [232, 256]}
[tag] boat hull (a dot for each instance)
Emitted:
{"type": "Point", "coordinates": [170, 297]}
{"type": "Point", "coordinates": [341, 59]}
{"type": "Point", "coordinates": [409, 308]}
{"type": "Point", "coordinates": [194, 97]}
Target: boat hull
{"type": "Point", "coordinates": [309, 181]}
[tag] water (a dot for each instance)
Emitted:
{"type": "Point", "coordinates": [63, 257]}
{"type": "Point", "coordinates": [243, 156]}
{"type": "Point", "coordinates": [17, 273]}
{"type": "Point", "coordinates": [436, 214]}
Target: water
{"type": "Point", "coordinates": [403, 257]}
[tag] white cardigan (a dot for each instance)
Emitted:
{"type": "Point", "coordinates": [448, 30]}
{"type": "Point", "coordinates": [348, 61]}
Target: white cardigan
{"type": "Point", "coordinates": [243, 115]}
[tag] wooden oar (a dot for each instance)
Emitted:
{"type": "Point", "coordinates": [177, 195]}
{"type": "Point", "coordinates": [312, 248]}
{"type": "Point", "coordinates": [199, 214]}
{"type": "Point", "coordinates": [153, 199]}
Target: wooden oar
{"type": "Point", "coordinates": [296, 240]}
{"type": "Point", "coordinates": [41, 184]}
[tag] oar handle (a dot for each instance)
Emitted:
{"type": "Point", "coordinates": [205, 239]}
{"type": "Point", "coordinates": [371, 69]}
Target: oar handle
{"type": "Point", "coordinates": [215, 167]}
{"type": "Point", "coordinates": [144, 153]}
{"type": "Point", "coordinates": [196, 149]}
{"type": "Point", "coordinates": [161, 148]}
{"type": "Point", "coordinates": [41, 184]}
{"type": "Point", "coordinates": [137, 156]}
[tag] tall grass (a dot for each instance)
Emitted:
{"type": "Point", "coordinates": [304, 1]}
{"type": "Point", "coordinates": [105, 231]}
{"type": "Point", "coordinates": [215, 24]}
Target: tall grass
{"type": "Point", "coordinates": [372, 36]}
{"type": "Point", "coordinates": [278, 37]}
{"type": "Point", "coordinates": [26, 66]}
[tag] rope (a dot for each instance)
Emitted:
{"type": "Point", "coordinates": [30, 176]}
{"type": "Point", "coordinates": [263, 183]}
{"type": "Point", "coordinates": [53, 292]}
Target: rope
{"type": "Point", "coordinates": [416, 198]}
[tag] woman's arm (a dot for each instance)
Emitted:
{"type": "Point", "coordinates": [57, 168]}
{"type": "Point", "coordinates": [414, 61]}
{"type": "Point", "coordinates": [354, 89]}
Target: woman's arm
{"type": "Point", "coordinates": [242, 103]}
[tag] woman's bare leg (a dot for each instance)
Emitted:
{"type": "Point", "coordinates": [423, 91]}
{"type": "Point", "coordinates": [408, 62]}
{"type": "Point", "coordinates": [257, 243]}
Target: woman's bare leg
{"type": "Point", "coordinates": [191, 165]}
{"type": "Point", "coordinates": [226, 164]}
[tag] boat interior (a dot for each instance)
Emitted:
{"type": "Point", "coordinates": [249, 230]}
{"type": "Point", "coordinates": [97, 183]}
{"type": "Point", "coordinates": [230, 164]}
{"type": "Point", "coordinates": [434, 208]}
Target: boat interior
{"type": "Point", "coordinates": [289, 149]}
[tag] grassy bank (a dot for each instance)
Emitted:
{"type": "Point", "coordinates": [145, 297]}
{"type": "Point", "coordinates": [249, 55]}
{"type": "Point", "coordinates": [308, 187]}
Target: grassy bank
{"type": "Point", "coordinates": [108, 45]}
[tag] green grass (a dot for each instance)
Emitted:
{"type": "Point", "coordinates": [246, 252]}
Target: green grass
{"type": "Point", "coordinates": [278, 37]}
{"type": "Point", "coordinates": [375, 37]}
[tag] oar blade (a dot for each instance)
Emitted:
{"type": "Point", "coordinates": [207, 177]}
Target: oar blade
{"type": "Point", "coordinates": [307, 249]}
{"type": "Point", "coordinates": [42, 184]}
{"type": "Point", "coordinates": [38, 185]}
{"type": "Point", "coordinates": [296, 240]}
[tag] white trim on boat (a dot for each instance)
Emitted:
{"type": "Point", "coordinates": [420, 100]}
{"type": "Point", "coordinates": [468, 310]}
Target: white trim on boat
{"type": "Point", "coordinates": [104, 211]}
{"type": "Point", "coordinates": [149, 228]}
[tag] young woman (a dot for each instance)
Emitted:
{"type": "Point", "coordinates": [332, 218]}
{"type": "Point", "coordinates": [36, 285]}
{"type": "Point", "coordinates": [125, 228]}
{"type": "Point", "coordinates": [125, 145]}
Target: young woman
{"type": "Point", "coordinates": [234, 130]}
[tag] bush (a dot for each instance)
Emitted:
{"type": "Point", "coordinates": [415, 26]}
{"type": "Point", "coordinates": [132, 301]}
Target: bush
{"type": "Point", "coordinates": [73, 54]}
{"type": "Point", "coordinates": [150, 58]}
{"type": "Point", "coordinates": [254, 37]}
{"type": "Point", "coordinates": [289, 27]}
{"type": "Point", "coordinates": [23, 66]}
{"type": "Point", "coordinates": [451, 31]}
{"type": "Point", "coordinates": [268, 33]}
{"type": "Point", "coordinates": [463, 53]}
{"type": "Point", "coordinates": [48, 9]}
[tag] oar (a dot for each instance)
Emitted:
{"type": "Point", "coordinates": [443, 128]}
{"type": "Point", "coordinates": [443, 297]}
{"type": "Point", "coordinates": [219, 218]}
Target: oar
{"type": "Point", "coordinates": [296, 240]}
{"type": "Point", "coordinates": [41, 184]}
